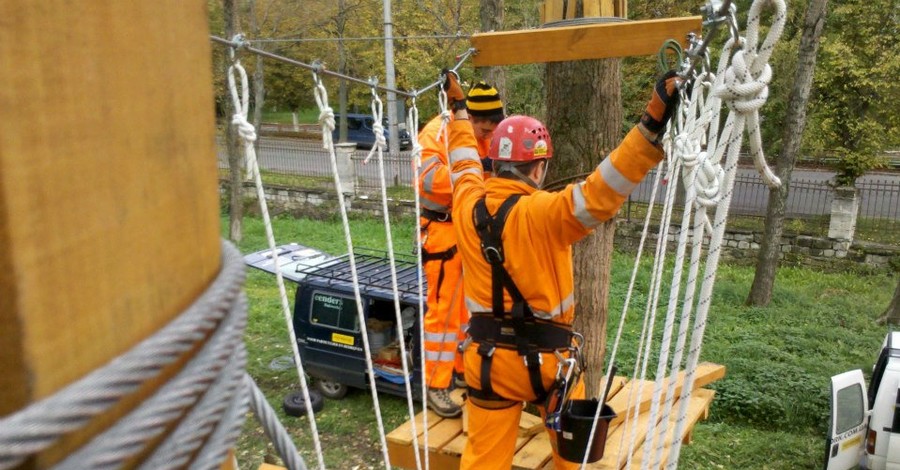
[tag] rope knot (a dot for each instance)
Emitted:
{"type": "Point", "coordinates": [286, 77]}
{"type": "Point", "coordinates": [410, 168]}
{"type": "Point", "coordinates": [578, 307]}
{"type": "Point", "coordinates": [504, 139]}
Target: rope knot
{"type": "Point", "coordinates": [326, 118]}
{"type": "Point", "coordinates": [744, 92]}
{"type": "Point", "coordinates": [709, 180]}
{"type": "Point", "coordinates": [244, 128]}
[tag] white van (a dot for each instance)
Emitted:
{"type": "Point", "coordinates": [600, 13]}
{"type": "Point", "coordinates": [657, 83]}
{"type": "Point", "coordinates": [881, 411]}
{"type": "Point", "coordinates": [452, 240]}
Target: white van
{"type": "Point", "coordinates": [864, 429]}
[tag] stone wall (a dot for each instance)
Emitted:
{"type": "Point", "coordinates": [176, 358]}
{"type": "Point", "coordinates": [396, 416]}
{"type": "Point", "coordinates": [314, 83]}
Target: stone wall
{"type": "Point", "coordinates": [743, 245]}
{"type": "Point", "coordinates": [740, 245]}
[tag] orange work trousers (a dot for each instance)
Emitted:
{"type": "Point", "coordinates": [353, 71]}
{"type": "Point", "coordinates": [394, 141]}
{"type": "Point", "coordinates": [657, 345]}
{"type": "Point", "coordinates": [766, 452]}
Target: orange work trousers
{"type": "Point", "coordinates": [491, 444]}
{"type": "Point", "coordinates": [446, 314]}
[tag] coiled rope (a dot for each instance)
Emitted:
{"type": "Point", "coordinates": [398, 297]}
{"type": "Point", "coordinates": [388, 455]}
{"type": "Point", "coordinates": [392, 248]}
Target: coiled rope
{"type": "Point", "coordinates": [220, 309]}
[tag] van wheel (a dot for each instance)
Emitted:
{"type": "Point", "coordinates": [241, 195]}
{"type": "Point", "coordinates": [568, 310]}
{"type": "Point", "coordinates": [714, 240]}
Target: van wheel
{"type": "Point", "coordinates": [333, 390]}
{"type": "Point", "coordinates": [295, 405]}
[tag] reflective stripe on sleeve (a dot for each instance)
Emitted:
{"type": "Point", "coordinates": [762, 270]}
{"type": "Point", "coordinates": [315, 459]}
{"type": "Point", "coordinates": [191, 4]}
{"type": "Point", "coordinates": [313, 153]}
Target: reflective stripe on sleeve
{"type": "Point", "coordinates": [428, 175]}
{"type": "Point", "coordinates": [458, 174]}
{"type": "Point", "coordinates": [614, 179]}
{"type": "Point", "coordinates": [431, 205]}
{"type": "Point", "coordinates": [463, 153]}
{"type": "Point", "coordinates": [443, 356]}
{"type": "Point", "coordinates": [580, 208]}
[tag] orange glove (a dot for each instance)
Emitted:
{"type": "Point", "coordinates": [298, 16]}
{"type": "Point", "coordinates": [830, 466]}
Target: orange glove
{"type": "Point", "coordinates": [456, 99]}
{"type": "Point", "coordinates": [662, 104]}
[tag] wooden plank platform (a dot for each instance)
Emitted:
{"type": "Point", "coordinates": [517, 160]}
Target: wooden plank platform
{"type": "Point", "coordinates": [447, 439]}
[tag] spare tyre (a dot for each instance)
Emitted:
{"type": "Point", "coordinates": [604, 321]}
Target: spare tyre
{"type": "Point", "coordinates": [295, 405]}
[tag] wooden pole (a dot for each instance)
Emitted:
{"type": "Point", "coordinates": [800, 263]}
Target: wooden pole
{"type": "Point", "coordinates": [109, 220]}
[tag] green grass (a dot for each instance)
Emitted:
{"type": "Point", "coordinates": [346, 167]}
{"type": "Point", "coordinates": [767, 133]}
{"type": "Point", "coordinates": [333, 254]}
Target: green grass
{"type": "Point", "coordinates": [289, 181]}
{"type": "Point", "coordinates": [304, 116]}
{"type": "Point", "coordinates": [769, 411]}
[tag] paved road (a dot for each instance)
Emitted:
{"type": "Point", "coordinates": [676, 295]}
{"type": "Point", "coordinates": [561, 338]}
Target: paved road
{"type": "Point", "coordinates": [880, 192]}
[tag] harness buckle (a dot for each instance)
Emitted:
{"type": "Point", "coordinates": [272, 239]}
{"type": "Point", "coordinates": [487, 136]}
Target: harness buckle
{"type": "Point", "coordinates": [486, 349]}
{"type": "Point", "coordinates": [492, 254]}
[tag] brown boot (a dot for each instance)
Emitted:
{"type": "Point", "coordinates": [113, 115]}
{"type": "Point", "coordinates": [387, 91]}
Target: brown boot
{"type": "Point", "coordinates": [439, 401]}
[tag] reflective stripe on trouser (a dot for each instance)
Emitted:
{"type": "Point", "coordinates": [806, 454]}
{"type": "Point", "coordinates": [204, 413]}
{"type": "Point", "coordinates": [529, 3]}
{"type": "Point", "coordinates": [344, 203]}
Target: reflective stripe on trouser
{"type": "Point", "coordinates": [446, 311]}
{"type": "Point", "coordinates": [492, 436]}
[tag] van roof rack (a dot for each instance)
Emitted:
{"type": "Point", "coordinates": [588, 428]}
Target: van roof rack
{"type": "Point", "coordinates": [372, 268]}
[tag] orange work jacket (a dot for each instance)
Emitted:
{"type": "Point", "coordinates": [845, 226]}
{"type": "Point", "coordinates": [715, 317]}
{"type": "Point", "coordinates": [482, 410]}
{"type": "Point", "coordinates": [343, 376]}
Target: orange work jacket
{"type": "Point", "coordinates": [542, 226]}
{"type": "Point", "coordinates": [434, 175]}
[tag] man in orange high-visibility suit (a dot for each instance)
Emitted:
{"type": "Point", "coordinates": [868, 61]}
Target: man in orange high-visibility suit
{"type": "Point", "coordinates": [518, 278]}
{"type": "Point", "coordinates": [446, 312]}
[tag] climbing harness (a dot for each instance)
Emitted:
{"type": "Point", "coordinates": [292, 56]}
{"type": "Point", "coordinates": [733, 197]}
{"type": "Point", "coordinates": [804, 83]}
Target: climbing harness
{"type": "Point", "coordinates": [517, 329]}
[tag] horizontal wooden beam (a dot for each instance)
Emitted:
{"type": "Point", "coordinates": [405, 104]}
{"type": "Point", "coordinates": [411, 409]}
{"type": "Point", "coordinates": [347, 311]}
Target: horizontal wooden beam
{"type": "Point", "coordinates": [596, 41]}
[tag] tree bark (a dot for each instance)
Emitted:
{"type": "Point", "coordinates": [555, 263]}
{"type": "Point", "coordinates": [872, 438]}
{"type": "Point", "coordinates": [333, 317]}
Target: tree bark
{"type": "Point", "coordinates": [492, 20]}
{"type": "Point", "coordinates": [891, 316]}
{"type": "Point", "coordinates": [259, 84]}
{"type": "Point", "coordinates": [235, 199]}
{"type": "Point", "coordinates": [584, 116]}
{"type": "Point", "coordinates": [794, 123]}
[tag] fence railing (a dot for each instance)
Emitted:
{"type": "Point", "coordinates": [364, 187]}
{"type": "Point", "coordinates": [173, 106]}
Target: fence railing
{"type": "Point", "coordinates": [808, 199]}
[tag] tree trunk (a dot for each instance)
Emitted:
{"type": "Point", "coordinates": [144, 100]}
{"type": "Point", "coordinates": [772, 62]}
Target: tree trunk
{"type": "Point", "coordinates": [584, 115]}
{"type": "Point", "coordinates": [891, 315]}
{"type": "Point", "coordinates": [235, 199]}
{"type": "Point", "coordinates": [492, 20]}
{"type": "Point", "coordinates": [259, 85]}
{"type": "Point", "coordinates": [795, 120]}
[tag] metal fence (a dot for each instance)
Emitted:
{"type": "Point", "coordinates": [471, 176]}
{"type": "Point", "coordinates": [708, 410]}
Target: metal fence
{"type": "Point", "coordinates": [305, 162]}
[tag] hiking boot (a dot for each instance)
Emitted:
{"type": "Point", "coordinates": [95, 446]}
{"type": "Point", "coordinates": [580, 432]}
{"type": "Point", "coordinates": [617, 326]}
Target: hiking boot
{"type": "Point", "coordinates": [439, 401]}
{"type": "Point", "coordinates": [459, 380]}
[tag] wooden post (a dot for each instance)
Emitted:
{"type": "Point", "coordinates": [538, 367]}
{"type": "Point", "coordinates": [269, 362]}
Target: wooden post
{"type": "Point", "coordinates": [109, 221]}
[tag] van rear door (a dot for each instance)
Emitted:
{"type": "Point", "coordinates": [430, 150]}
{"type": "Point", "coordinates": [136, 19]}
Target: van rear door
{"type": "Point", "coordinates": [846, 434]}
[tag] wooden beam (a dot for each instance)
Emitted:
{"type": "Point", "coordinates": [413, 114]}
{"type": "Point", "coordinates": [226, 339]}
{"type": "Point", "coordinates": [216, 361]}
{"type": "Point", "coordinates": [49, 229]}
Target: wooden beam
{"type": "Point", "coordinates": [597, 41]}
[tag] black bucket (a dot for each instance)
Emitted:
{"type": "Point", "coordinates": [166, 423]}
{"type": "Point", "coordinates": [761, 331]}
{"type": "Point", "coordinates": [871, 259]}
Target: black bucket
{"type": "Point", "coordinates": [575, 424]}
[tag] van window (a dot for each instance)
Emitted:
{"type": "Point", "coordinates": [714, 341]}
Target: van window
{"type": "Point", "coordinates": [352, 123]}
{"type": "Point", "coordinates": [850, 411]}
{"type": "Point", "coordinates": [334, 310]}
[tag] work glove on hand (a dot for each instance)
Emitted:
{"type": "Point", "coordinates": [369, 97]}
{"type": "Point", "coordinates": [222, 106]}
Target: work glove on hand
{"type": "Point", "coordinates": [456, 99]}
{"type": "Point", "coordinates": [662, 104]}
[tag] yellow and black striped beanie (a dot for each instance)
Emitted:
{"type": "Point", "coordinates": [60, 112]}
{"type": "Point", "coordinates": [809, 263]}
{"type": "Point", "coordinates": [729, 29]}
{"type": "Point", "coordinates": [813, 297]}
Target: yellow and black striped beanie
{"type": "Point", "coordinates": [484, 101]}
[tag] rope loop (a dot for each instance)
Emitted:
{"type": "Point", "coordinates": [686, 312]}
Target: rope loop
{"type": "Point", "coordinates": [412, 123]}
{"type": "Point", "coordinates": [326, 114]}
{"type": "Point", "coordinates": [241, 101]}
{"type": "Point", "coordinates": [377, 125]}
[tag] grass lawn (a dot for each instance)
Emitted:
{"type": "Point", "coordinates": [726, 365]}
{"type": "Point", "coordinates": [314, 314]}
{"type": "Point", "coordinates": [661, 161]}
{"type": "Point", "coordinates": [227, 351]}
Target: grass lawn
{"type": "Point", "coordinates": [769, 412]}
{"type": "Point", "coordinates": [304, 116]}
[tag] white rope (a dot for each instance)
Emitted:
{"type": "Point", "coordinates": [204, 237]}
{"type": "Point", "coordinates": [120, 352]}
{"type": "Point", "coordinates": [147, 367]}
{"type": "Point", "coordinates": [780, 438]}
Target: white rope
{"type": "Point", "coordinates": [242, 108]}
{"type": "Point", "coordinates": [673, 169]}
{"type": "Point", "coordinates": [377, 115]}
{"type": "Point", "coordinates": [745, 91]}
{"type": "Point", "coordinates": [685, 151]}
{"type": "Point", "coordinates": [445, 114]}
{"type": "Point", "coordinates": [621, 328]}
{"type": "Point", "coordinates": [326, 119]}
{"type": "Point", "coordinates": [412, 123]}
{"type": "Point", "coordinates": [246, 131]}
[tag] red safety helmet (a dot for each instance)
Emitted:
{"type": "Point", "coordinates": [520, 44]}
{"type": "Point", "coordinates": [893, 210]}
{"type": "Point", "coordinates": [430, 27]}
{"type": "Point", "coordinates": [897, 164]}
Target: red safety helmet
{"type": "Point", "coordinates": [520, 139]}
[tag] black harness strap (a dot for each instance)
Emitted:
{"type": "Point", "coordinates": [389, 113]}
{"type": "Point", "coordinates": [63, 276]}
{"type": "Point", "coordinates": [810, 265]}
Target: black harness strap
{"type": "Point", "coordinates": [490, 231]}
